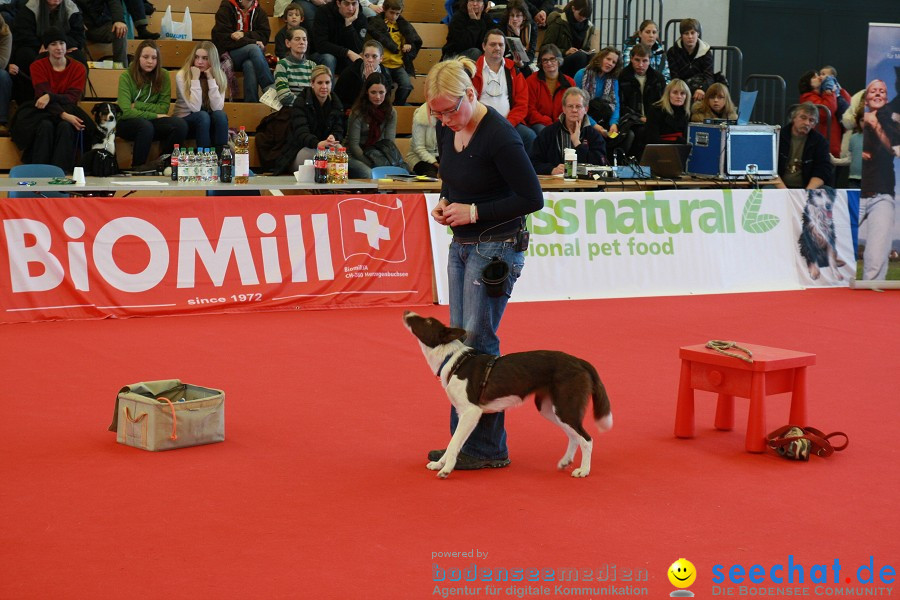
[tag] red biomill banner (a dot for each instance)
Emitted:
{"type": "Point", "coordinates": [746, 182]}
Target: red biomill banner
{"type": "Point", "coordinates": [111, 257]}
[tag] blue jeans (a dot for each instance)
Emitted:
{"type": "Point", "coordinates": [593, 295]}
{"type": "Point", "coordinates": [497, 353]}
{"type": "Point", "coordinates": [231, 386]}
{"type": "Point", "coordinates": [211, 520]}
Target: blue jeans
{"type": "Point", "coordinates": [404, 85]}
{"type": "Point", "coordinates": [251, 61]}
{"type": "Point", "coordinates": [479, 314]}
{"type": "Point", "coordinates": [208, 129]}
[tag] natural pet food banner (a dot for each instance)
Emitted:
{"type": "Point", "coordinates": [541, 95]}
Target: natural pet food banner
{"type": "Point", "coordinates": [680, 242]}
{"type": "Point", "coordinates": [102, 257]}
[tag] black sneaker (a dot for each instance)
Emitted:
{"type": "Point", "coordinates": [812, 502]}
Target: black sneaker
{"type": "Point", "coordinates": [145, 34]}
{"type": "Point", "coordinates": [464, 462]}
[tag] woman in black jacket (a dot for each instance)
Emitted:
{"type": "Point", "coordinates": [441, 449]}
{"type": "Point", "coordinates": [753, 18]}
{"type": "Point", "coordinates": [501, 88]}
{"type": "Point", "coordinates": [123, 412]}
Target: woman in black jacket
{"type": "Point", "coordinates": [317, 123]}
{"type": "Point", "coordinates": [669, 117]}
{"type": "Point", "coordinates": [467, 30]}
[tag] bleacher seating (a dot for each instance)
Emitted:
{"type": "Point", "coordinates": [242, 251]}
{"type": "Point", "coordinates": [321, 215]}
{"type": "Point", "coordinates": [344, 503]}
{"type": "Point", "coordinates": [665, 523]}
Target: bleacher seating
{"type": "Point", "coordinates": [104, 83]}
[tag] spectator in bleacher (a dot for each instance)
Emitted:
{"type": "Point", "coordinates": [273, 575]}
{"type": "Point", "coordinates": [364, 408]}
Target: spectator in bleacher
{"type": "Point", "coordinates": [317, 122]}
{"type": "Point", "coordinates": [309, 11]}
{"type": "Point", "coordinates": [46, 130]}
{"type": "Point", "coordinates": [502, 87]}
{"type": "Point", "coordinates": [293, 73]}
{"type": "Point", "coordinates": [350, 82]}
{"type": "Point", "coordinates": [145, 96]}
{"type": "Point", "coordinates": [6, 81]}
{"type": "Point", "coordinates": [647, 36]}
{"type": "Point", "coordinates": [35, 17]}
{"type": "Point", "coordinates": [668, 118]}
{"type": "Point", "coordinates": [545, 89]}
{"type": "Point", "coordinates": [372, 129]}
{"type": "Point", "coordinates": [467, 29]}
{"type": "Point", "coordinates": [803, 160]}
{"type": "Point", "coordinates": [339, 34]}
{"type": "Point", "coordinates": [401, 45]}
{"type": "Point", "coordinates": [104, 21]}
{"type": "Point", "coordinates": [811, 90]}
{"type": "Point", "coordinates": [242, 30]}
{"type": "Point", "coordinates": [423, 150]}
{"type": "Point", "coordinates": [516, 23]}
{"type": "Point", "coordinates": [600, 79]}
{"type": "Point", "coordinates": [690, 59]}
{"type": "Point", "coordinates": [572, 129]}
{"type": "Point", "coordinates": [200, 87]}
{"type": "Point", "coordinates": [293, 18]}
{"type": "Point", "coordinates": [716, 104]}
{"type": "Point", "coordinates": [640, 86]}
{"type": "Point", "coordinates": [572, 32]}
{"type": "Point", "coordinates": [877, 202]}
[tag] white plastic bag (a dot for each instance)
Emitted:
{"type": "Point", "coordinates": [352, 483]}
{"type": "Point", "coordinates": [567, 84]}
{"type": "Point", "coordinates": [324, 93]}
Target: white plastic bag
{"type": "Point", "coordinates": [174, 30]}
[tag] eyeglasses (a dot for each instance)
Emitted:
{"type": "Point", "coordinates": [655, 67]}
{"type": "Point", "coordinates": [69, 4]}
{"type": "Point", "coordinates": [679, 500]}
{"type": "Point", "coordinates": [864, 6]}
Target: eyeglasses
{"type": "Point", "coordinates": [549, 59]}
{"type": "Point", "coordinates": [440, 114]}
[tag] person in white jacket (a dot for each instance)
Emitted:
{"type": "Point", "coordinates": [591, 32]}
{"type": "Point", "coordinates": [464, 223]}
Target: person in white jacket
{"type": "Point", "coordinates": [423, 150]}
{"type": "Point", "coordinates": [200, 97]}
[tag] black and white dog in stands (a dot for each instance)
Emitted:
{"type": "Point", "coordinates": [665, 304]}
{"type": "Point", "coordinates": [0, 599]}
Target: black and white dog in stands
{"type": "Point", "coordinates": [106, 116]}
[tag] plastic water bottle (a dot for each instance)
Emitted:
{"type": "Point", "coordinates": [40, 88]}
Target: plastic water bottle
{"type": "Point", "coordinates": [212, 165]}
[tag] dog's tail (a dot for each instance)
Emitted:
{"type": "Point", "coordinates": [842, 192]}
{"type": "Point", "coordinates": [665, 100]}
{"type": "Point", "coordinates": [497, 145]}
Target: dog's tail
{"type": "Point", "coordinates": [602, 410]}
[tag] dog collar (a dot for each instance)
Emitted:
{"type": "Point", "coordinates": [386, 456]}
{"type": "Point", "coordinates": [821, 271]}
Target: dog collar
{"type": "Point", "coordinates": [462, 358]}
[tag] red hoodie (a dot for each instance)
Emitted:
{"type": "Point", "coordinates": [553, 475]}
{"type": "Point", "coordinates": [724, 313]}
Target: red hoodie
{"type": "Point", "coordinates": [515, 84]}
{"type": "Point", "coordinates": [829, 100]}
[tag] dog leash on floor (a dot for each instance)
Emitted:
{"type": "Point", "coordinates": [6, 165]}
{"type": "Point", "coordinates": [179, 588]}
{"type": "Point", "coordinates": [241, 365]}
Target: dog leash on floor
{"type": "Point", "coordinates": [723, 347]}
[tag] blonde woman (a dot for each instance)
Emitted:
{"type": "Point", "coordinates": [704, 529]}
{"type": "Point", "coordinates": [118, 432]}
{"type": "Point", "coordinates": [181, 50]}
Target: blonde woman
{"type": "Point", "coordinates": [488, 188]}
{"type": "Point", "coordinates": [200, 91]}
{"type": "Point", "coordinates": [668, 118]}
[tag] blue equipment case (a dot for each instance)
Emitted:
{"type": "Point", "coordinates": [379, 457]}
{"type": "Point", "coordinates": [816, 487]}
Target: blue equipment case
{"type": "Point", "coordinates": [730, 151]}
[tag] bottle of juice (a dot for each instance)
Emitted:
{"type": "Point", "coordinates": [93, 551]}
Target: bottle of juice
{"type": "Point", "coordinates": [242, 157]}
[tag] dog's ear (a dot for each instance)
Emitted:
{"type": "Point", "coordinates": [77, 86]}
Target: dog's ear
{"type": "Point", "coordinates": [116, 110]}
{"type": "Point", "coordinates": [452, 333]}
{"type": "Point", "coordinates": [96, 109]}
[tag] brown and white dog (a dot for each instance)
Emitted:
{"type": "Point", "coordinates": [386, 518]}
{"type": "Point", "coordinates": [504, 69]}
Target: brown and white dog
{"type": "Point", "coordinates": [481, 383]}
{"type": "Point", "coordinates": [106, 116]}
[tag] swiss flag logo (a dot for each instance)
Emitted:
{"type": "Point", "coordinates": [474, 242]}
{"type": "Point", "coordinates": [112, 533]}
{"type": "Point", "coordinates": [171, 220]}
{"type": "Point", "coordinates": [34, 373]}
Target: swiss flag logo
{"type": "Point", "coordinates": [373, 229]}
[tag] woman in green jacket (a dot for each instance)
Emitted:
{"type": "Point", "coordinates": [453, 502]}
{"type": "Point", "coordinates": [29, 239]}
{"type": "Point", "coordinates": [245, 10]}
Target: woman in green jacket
{"type": "Point", "coordinates": [145, 96]}
{"type": "Point", "coordinates": [572, 32]}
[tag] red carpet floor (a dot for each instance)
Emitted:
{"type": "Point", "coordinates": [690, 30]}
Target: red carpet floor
{"type": "Point", "coordinates": [320, 489]}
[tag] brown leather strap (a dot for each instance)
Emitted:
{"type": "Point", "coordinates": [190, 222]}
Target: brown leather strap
{"type": "Point", "coordinates": [819, 441]}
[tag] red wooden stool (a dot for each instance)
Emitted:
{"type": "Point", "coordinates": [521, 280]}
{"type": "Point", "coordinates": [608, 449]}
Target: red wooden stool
{"type": "Point", "coordinates": [773, 371]}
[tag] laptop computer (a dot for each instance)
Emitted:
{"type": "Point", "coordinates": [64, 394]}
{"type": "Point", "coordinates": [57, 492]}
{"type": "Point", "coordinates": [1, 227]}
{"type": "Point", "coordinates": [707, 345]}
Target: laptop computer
{"type": "Point", "coordinates": [666, 160]}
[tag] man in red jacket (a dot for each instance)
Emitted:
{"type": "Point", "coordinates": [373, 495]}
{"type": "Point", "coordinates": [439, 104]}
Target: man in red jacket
{"type": "Point", "coordinates": [500, 85]}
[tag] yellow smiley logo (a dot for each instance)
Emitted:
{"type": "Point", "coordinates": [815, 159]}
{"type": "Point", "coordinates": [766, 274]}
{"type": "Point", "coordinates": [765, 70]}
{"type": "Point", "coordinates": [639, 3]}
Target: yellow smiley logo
{"type": "Point", "coordinates": [682, 573]}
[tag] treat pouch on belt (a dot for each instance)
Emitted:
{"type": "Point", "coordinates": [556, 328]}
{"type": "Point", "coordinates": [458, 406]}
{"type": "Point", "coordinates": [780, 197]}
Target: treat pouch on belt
{"type": "Point", "coordinates": [168, 414]}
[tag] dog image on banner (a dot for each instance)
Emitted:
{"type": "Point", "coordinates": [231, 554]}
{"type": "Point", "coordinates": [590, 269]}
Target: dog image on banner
{"type": "Point", "coordinates": [818, 241]}
{"type": "Point", "coordinates": [373, 229]}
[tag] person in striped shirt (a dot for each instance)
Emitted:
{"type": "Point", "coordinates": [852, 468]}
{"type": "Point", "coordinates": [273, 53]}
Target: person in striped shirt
{"type": "Point", "coordinates": [293, 72]}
